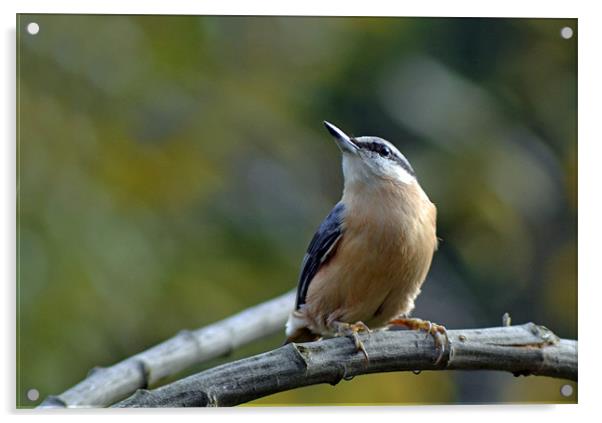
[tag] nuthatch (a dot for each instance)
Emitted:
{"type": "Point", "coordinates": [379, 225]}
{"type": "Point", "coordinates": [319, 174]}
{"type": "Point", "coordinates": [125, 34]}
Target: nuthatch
{"type": "Point", "coordinates": [366, 263]}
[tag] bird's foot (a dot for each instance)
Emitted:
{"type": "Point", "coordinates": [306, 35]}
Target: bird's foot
{"type": "Point", "coordinates": [438, 332]}
{"type": "Point", "coordinates": [348, 329]}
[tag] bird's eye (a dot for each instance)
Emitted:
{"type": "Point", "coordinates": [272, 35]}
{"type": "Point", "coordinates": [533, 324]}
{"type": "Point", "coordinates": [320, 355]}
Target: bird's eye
{"type": "Point", "coordinates": [385, 152]}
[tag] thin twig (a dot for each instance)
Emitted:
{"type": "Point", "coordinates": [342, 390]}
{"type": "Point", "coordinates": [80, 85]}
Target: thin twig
{"type": "Point", "coordinates": [523, 350]}
{"type": "Point", "coordinates": [105, 386]}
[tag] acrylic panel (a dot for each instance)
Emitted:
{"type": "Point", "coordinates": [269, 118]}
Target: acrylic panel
{"type": "Point", "coordinates": [172, 171]}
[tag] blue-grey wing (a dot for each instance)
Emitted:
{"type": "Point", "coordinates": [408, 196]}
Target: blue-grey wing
{"type": "Point", "coordinates": [320, 249]}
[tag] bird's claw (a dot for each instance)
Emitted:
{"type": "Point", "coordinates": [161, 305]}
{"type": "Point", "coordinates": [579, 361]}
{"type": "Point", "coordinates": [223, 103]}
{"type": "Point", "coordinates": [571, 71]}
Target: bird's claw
{"type": "Point", "coordinates": [438, 332]}
{"type": "Point", "coordinates": [360, 327]}
{"type": "Point", "coordinates": [359, 346]}
{"type": "Point", "coordinates": [347, 329]}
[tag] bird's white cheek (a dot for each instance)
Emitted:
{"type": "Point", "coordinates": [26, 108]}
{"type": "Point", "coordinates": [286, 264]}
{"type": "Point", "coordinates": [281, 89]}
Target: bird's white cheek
{"type": "Point", "coordinates": [401, 175]}
{"type": "Point", "coordinates": [354, 169]}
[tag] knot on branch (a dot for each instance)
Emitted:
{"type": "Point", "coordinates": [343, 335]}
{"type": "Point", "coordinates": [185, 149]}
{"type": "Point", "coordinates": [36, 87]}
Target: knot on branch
{"type": "Point", "coordinates": [301, 352]}
{"type": "Point", "coordinates": [546, 335]}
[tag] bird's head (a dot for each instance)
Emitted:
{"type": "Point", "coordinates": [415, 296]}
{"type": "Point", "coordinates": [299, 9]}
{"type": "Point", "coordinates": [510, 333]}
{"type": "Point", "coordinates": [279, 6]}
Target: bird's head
{"type": "Point", "coordinates": [371, 159]}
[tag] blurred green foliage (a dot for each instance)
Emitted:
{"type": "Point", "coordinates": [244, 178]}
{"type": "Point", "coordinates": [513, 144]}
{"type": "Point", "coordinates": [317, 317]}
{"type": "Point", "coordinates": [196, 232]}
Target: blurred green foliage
{"type": "Point", "coordinates": [172, 170]}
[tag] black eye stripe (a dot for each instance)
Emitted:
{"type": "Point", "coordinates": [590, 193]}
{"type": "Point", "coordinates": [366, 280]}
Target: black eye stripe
{"type": "Point", "coordinates": [386, 152]}
{"type": "Point", "coordinates": [381, 149]}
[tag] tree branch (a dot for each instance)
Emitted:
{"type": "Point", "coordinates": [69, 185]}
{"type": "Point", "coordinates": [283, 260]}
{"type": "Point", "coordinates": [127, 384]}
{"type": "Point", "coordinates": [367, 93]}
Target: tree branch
{"type": "Point", "coordinates": [523, 350]}
{"type": "Point", "coordinates": [105, 386]}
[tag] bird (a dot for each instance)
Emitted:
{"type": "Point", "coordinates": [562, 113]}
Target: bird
{"type": "Point", "coordinates": [367, 261]}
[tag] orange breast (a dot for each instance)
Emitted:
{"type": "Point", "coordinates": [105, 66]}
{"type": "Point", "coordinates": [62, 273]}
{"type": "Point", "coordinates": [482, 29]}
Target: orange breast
{"type": "Point", "coordinates": [380, 263]}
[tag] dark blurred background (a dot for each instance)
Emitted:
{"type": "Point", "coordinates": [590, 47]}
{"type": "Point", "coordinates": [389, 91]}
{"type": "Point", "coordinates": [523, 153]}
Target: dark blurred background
{"type": "Point", "coordinates": [172, 170]}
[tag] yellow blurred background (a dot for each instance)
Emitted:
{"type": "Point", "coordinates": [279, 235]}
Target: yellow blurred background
{"type": "Point", "coordinates": [172, 170]}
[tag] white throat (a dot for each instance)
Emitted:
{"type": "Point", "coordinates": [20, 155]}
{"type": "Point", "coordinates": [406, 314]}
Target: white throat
{"type": "Point", "coordinates": [355, 169]}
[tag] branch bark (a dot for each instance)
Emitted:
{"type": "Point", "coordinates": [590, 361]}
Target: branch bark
{"type": "Point", "coordinates": [105, 386]}
{"type": "Point", "coordinates": [523, 350]}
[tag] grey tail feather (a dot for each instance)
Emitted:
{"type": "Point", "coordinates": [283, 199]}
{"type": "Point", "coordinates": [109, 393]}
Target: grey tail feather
{"type": "Point", "coordinates": [302, 335]}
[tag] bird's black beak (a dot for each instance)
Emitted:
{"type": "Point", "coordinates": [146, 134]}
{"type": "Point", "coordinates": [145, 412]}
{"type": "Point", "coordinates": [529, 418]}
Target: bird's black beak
{"type": "Point", "coordinates": [344, 142]}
